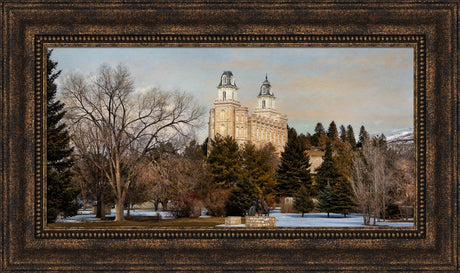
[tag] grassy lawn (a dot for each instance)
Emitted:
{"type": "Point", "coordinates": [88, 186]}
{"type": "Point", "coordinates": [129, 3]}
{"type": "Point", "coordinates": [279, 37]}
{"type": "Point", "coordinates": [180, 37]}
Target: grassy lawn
{"type": "Point", "coordinates": [147, 221]}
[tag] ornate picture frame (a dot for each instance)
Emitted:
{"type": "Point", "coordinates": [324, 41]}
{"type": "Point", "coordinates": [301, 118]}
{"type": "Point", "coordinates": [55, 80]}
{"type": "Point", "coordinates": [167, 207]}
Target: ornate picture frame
{"type": "Point", "coordinates": [29, 28]}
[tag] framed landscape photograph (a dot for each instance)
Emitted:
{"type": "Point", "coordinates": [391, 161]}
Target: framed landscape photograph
{"type": "Point", "coordinates": [229, 151]}
{"type": "Point", "coordinates": [299, 136]}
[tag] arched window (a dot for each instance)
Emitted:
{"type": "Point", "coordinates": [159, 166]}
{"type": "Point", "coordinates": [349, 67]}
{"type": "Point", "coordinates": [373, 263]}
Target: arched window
{"type": "Point", "coordinates": [263, 104]}
{"type": "Point", "coordinates": [222, 130]}
{"type": "Point", "coordinates": [224, 95]}
{"type": "Point", "coordinates": [224, 79]}
{"type": "Point", "coordinates": [222, 114]}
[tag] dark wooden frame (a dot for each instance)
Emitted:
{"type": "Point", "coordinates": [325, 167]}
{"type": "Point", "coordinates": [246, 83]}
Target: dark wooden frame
{"type": "Point", "coordinates": [28, 27]}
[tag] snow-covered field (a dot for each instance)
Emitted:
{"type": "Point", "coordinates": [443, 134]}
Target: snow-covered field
{"type": "Point", "coordinates": [321, 220]}
{"type": "Point", "coordinates": [86, 215]}
{"type": "Point", "coordinates": [282, 219]}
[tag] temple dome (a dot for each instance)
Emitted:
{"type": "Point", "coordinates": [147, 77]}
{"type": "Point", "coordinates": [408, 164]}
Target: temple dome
{"type": "Point", "coordinates": [265, 88]}
{"type": "Point", "coordinates": [227, 80]}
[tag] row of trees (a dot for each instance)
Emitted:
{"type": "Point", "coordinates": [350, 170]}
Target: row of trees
{"type": "Point", "coordinates": [330, 187]}
{"type": "Point", "coordinates": [367, 176]}
{"type": "Point", "coordinates": [320, 138]}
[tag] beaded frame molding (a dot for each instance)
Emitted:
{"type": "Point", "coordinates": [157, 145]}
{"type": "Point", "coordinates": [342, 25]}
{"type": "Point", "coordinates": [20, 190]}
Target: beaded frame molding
{"type": "Point", "coordinates": [417, 42]}
{"type": "Point", "coordinates": [29, 27]}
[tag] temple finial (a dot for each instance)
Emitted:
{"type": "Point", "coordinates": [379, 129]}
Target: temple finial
{"type": "Point", "coordinates": [266, 76]}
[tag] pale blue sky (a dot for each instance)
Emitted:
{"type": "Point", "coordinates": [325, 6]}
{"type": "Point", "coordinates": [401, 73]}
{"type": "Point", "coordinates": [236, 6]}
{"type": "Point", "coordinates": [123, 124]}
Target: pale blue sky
{"type": "Point", "coordinates": [358, 86]}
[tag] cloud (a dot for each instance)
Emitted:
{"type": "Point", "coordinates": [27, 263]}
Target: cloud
{"type": "Point", "coordinates": [370, 86]}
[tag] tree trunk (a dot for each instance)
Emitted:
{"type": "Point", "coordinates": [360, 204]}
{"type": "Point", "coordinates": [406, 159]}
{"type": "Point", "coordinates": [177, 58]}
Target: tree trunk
{"type": "Point", "coordinates": [129, 210]}
{"type": "Point", "coordinates": [100, 211]}
{"type": "Point", "coordinates": [119, 192]}
{"type": "Point", "coordinates": [119, 211]}
{"type": "Point", "coordinates": [328, 214]}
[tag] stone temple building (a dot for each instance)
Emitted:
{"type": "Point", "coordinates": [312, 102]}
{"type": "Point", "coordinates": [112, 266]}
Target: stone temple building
{"type": "Point", "coordinates": [230, 118]}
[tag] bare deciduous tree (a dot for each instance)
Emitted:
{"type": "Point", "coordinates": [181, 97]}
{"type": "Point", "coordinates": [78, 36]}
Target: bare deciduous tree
{"type": "Point", "coordinates": [405, 180]}
{"type": "Point", "coordinates": [175, 176]}
{"type": "Point", "coordinates": [372, 179]}
{"type": "Point", "coordinates": [127, 123]}
{"type": "Point", "coordinates": [89, 164]}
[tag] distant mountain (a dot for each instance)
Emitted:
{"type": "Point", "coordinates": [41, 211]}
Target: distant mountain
{"type": "Point", "coordinates": [400, 135]}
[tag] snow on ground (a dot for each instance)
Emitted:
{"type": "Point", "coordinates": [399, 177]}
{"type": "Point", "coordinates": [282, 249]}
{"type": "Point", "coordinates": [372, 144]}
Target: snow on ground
{"type": "Point", "coordinates": [282, 219]}
{"type": "Point", "coordinates": [321, 220]}
{"type": "Point", "coordinates": [87, 216]}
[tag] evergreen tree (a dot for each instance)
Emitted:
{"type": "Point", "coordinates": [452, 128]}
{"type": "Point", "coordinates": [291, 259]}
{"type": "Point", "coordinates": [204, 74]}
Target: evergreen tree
{"type": "Point", "coordinates": [204, 147]}
{"type": "Point", "coordinates": [342, 197]}
{"type": "Point", "coordinates": [240, 198]}
{"type": "Point", "coordinates": [327, 173]}
{"type": "Point", "coordinates": [294, 170]}
{"type": "Point", "coordinates": [363, 136]}
{"type": "Point", "coordinates": [319, 129]}
{"type": "Point", "coordinates": [319, 132]}
{"type": "Point", "coordinates": [61, 193]}
{"type": "Point", "coordinates": [258, 169]}
{"type": "Point", "coordinates": [351, 136]}
{"type": "Point", "coordinates": [343, 134]}
{"type": "Point", "coordinates": [325, 200]}
{"type": "Point", "coordinates": [332, 132]}
{"type": "Point", "coordinates": [343, 160]}
{"type": "Point", "coordinates": [306, 140]}
{"type": "Point", "coordinates": [224, 162]}
{"type": "Point", "coordinates": [303, 201]}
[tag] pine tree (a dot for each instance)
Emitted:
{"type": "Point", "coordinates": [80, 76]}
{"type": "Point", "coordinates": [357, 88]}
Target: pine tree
{"type": "Point", "coordinates": [363, 137]}
{"type": "Point", "coordinates": [351, 136]}
{"type": "Point", "coordinates": [204, 147]}
{"type": "Point", "coordinates": [319, 132]}
{"type": "Point", "coordinates": [343, 160]}
{"type": "Point", "coordinates": [61, 193]}
{"type": "Point", "coordinates": [240, 198]}
{"type": "Point", "coordinates": [294, 170]}
{"type": "Point", "coordinates": [327, 173]}
{"type": "Point", "coordinates": [332, 132]}
{"type": "Point", "coordinates": [224, 162]}
{"type": "Point", "coordinates": [319, 129]}
{"type": "Point", "coordinates": [343, 134]}
{"type": "Point", "coordinates": [303, 201]}
{"type": "Point", "coordinates": [342, 197]}
{"type": "Point", "coordinates": [325, 200]}
{"type": "Point", "coordinates": [258, 169]}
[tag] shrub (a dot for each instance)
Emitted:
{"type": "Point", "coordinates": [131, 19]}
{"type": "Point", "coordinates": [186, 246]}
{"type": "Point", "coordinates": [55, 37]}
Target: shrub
{"type": "Point", "coordinates": [186, 205]}
{"type": "Point", "coordinates": [215, 201]}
